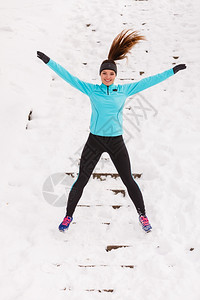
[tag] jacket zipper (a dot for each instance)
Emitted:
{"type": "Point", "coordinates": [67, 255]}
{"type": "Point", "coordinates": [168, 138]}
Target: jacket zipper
{"type": "Point", "coordinates": [107, 90]}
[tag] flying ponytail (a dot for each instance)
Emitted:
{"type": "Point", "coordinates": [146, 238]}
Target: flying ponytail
{"type": "Point", "coordinates": [121, 46]}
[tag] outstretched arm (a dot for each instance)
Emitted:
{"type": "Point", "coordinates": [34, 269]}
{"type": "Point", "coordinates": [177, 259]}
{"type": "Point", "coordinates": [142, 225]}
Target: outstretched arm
{"type": "Point", "coordinates": [133, 88]}
{"type": "Point", "coordinates": [82, 86]}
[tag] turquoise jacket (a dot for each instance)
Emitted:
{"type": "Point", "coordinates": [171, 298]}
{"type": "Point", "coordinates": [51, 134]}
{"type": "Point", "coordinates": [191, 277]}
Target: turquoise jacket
{"type": "Point", "coordinates": [108, 101]}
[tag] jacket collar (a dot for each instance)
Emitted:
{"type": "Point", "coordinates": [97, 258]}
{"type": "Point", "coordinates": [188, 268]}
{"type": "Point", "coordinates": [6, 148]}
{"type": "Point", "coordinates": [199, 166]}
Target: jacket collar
{"type": "Point", "coordinates": [108, 89]}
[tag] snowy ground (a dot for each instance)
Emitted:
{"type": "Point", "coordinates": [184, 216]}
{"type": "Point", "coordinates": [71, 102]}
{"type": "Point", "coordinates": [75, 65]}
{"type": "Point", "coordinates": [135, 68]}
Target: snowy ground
{"type": "Point", "coordinates": [37, 261]}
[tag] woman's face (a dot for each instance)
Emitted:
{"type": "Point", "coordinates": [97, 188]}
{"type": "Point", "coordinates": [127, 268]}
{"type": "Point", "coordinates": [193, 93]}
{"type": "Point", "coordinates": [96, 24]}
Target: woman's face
{"type": "Point", "coordinates": [108, 77]}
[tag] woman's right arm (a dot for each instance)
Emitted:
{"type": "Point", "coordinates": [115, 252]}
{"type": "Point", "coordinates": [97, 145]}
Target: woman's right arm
{"type": "Point", "coordinates": [84, 87]}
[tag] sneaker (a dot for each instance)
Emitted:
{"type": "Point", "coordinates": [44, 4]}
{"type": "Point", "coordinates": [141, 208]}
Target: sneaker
{"type": "Point", "coordinates": [145, 223]}
{"type": "Point", "coordinates": [65, 223]}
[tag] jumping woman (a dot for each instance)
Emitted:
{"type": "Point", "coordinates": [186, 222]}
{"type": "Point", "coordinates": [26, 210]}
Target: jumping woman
{"type": "Point", "coordinates": [106, 125]}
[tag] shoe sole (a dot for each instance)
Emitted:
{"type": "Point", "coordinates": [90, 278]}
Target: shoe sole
{"type": "Point", "coordinates": [63, 230]}
{"type": "Point", "coordinates": [147, 231]}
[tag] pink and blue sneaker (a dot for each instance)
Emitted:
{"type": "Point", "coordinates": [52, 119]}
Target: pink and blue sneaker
{"type": "Point", "coordinates": [145, 223]}
{"type": "Point", "coordinates": [65, 224]}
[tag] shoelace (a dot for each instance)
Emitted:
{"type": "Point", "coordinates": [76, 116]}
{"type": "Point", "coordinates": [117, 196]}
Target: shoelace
{"type": "Point", "coordinates": [66, 221]}
{"type": "Point", "coordinates": [144, 221]}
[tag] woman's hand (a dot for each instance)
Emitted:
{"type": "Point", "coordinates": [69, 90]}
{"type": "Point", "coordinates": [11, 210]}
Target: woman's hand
{"type": "Point", "coordinates": [179, 67]}
{"type": "Point", "coordinates": [43, 57]}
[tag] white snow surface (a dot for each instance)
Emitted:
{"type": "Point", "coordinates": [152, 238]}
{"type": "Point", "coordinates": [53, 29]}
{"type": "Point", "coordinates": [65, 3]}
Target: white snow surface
{"type": "Point", "coordinates": [36, 260]}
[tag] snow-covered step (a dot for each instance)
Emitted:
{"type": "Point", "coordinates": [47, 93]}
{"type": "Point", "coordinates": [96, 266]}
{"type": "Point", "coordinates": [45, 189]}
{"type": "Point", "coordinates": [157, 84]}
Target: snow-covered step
{"type": "Point", "coordinates": [97, 266]}
{"type": "Point", "coordinates": [100, 291]}
{"type": "Point", "coordinates": [101, 205]}
{"type": "Point", "coordinates": [110, 179]}
{"type": "Point", "coordinates": [103, 176]}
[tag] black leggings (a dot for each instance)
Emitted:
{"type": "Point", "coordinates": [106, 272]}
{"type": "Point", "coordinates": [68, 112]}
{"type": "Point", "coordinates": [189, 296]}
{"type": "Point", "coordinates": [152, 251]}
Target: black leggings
{"type": "Point", "coordinates": [91, 154]}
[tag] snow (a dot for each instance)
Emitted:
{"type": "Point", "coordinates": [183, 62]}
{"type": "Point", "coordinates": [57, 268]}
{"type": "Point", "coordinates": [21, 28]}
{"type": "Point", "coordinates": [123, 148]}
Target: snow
{"type": "Point", "coordinates": [39, 262]}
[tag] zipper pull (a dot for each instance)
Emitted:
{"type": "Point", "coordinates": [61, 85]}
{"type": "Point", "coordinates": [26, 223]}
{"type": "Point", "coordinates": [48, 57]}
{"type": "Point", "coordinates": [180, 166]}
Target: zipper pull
{"type": "Point", "coordinates": [107, 90]}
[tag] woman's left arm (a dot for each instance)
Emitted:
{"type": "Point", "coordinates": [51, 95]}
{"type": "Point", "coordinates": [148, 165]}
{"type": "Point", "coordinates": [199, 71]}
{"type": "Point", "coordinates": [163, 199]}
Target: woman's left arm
{"type": "Point", "coordinates": [133, 88]}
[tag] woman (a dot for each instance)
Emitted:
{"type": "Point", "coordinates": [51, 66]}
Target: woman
{"type": "Point", "coordinates": [107, 101]}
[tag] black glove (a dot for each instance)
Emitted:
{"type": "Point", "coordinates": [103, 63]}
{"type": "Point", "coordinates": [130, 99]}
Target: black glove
{"type": "Point", "coordinates": [178, 68]}
{"type": "Point", "coordinates": [43, 57]}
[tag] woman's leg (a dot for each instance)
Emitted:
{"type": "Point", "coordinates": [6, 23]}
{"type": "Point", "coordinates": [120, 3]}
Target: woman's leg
{"type": "Point", "coordinates": [121, 161]}
{"type": "Point", "coordinates": [90, 156]}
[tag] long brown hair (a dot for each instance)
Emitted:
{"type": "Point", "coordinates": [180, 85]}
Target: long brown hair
{"type": "Point", "coordinates": [123, 43]}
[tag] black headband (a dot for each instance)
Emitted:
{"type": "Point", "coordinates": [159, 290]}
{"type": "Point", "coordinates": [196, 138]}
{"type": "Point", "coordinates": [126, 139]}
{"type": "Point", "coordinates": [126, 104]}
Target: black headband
{"type": "Point", "coordinates": [108, 65]}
